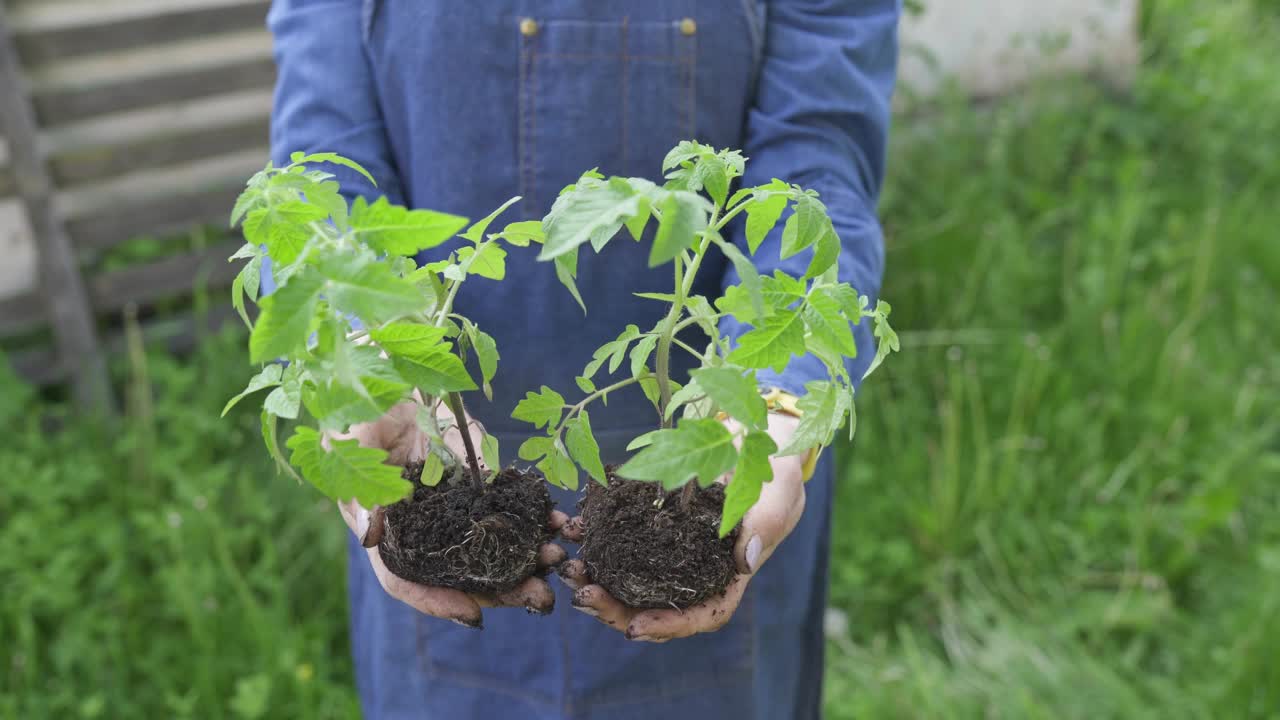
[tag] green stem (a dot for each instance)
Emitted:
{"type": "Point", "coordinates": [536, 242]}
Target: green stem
{"type": "Point", "coordinates": [666, 333]}
{"type": "Point", "coordinates": [460, 419]}
{"type": "Point", "coordinates": [577, 408]}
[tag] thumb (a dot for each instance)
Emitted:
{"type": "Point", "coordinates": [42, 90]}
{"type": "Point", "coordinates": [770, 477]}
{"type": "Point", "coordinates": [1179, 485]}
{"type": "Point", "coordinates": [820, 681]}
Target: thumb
{"type": "Point", "coordinates": [774, 515]}
{"type": "Point", "coordinates": [366, 525]}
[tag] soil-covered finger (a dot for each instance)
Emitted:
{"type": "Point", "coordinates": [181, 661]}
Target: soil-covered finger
{"type": "Point", "coordinates": [557, 520]}
{"type": "Point", "coordinates": [551, 556]}
{"type": "Point", "coordinates": [534, 595]}
{"type": "Point", "coordinates": [598, 603]}
{"type": "Point", "coordinates": [574, 529]}
{"type": "Point", "coordinates": [438, 602]}
{"type": "Point", "coordinates": [574, 574]}
{"type": "Point", "coordinates": [661, 625]}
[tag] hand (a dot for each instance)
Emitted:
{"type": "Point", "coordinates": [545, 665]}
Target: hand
{"type": "Point", "coordinates": [398, 433]}
{"type": "Point", "coordinates": [772, 518]}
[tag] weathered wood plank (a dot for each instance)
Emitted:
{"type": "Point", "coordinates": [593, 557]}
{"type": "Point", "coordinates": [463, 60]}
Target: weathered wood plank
{"type": "Point", "coordinates": [84, 165]}
{"type": "Point", "coordinates": [154, 216]}
{"type": "Point", "coordinates": [21, 314]}
{"type": "Point", "coordinates": [61, 284]}
{"type": "Point", "coordinates": [58, 105]}
{"type": "Point", "coordinates": [37, 47]}
{"type": "Point", "coordinates": [170, 277]}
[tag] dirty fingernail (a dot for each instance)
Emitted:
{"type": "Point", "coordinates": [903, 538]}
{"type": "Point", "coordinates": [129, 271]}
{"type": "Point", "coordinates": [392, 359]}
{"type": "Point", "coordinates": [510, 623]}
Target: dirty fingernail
{"type": "Point", "coordinates": [587, 610]}
{"type": "Point", "coordinates": [754, 546]}
{"type": "Point", "coordinates": [477, 624]}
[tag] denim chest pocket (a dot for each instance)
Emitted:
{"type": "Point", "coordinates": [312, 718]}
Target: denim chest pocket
{"type": "Point", "coordinates": [615, 94]}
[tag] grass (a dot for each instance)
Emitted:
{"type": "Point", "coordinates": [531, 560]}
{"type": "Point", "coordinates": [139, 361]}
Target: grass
{"type": "Point", "coordinates": [1060, 505]}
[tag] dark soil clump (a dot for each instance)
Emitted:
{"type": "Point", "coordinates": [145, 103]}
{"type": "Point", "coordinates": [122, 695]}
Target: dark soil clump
{"type": "Point", "coordinates": [650, 556]}
{"type": "Point", "coordinates": [453, 536]}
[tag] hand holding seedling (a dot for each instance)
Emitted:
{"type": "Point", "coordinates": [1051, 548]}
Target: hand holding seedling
{"type": "Point", "coordinates": [385, 431]}
{"type": "Point", "coordinates": [764, 527]}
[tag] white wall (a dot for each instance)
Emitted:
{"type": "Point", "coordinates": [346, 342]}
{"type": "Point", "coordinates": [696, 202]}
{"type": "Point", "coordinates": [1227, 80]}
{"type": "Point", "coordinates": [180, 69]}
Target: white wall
{"type": "Point", "coordinates": [990, 46]}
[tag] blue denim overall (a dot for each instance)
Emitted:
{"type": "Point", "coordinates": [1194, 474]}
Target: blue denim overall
{"type": "Point", "coordinates": [459, 105]}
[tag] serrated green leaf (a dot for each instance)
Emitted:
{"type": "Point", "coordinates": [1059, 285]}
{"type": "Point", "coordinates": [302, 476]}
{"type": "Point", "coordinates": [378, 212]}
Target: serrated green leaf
{"type": "Point", "coordinates": [751, 283]}
{"type": "Point", "coordinates": [489, 452]}
{"type": "Point", "coordinates": [522, 233]}
{"type": "Point", "coordinates": [283, 229]}
{"type": "Point", "coordinates": [286, 400]}
{"type": "Point", "coordinates": [327, 157]}
{"type": "Point", "coordinates": [269, 437]}
{"type": "Point", "coordinates": [762, 215]}
{"type": "Point", "coordinates": [432, 470]}
{"type": "Point", "coordinates": [475, 233]}
{"type": "Point", "coordinates": [771, 343]}
{"type": "Point", "coordinates": [735, 393]}
{"type": "Point", "coordinates": [409, 339]}
{"type": "Point", "coordinates": [711, 173]}
{"type": "Point", "coordinates": [559, 469]}
{"type": "Point", "coordinates": [640, 354]}
{"type": "Point", "coordinates": [593, 211]}
{"type": "Point", "coordinates": [369, 290]}
{"type": "Point", "coordinates": [542, 408]}
{"type": "Point", "coordinates": [683, 152]}
{"type": "Point", "coordinates": [567, 272]}
{"type": "Point", "coordinates": [684, 215]}
{"type": "Point", "coordinates": [337, 406]}
{"type": "Point", "coordinates": [534, 448]}
{"type": "Point", "coordinates": [617, 349]}
{"type": "Point", "coordinates": [269, 376]}
{"type": "Point", "coordinates": [347, 470]}
{"type": "Point", "coordinates": [701, 449]}
{"type": "Point", "coordinates": [826, 251]}
{"type": "Point", "coordinates": [662, 297]}
{"type": "Point", "coordinates": [285, 320]}
{"type": "Point", "coordinates": [642, 441]}
{"type": "Point", "coordinates": [585, 384]}
{"type": "Point", "coordinates": [583, 448]}
{"type": "Point", "coordinates": [328, 196]}
{"type": "Point", "coordinates": [486, 354]}
{"type": "Point", "coordinates": [435, 373]}
{"type": "Point", "coordinates": [489, 261]}
{"type": "Point", "coordinates": [750, 474]}
{"type": "Point", "coordinates": [887, 337]}
{"type": "Point", "coordinates": [684, 395]}
{"type": "Point", "coordinates": [246, 284]}
{"type": "Point", "coordinates": [828, 328]}
{"type": "Point", "coordinates": [396, 230]}
{"type": "Point", "coordinates": [807, 223]}
{"type": "Point", "coordinates": [824, 407]}
{"type": "Point", "coordinates": [637, 223]}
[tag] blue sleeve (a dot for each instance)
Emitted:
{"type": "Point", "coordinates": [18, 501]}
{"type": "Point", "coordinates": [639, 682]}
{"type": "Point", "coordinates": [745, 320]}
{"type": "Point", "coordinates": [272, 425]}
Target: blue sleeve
{"type": "Point", "coordinates": [820, 119]}
{"type": "Point", "coordinates": [326, 99]}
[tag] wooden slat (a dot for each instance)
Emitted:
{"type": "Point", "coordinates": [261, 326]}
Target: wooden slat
{"type": "Point", "coordinates": [154, 216]}
{"type": "Point", "coordinates": [173, 276]}
{"type": "Point", "coordinates": [21, 314]}
{"type": "Point", "coordinates": [57, 105]}
{"type": "Point", "coordinates": [76, 167]}
{"type": "Point", "coordinates": [74, 333]}
{"type": "Point", "coordinates": [179, 333]}
{"type": "Point", "coordinates": [37, 47]}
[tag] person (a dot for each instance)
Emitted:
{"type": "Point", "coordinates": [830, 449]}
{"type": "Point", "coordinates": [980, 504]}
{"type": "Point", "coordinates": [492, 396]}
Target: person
{"type": "Point", "coordinates": [457, 107]}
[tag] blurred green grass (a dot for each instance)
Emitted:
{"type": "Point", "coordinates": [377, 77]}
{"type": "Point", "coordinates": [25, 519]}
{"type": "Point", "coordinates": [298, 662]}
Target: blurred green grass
{"type": "Point", "coordinates": [1060, 503]}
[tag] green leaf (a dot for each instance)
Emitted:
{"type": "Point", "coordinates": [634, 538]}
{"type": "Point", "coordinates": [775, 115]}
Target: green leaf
{"type": "Point", "coordinates": [522, 233]}
{"type": "Point", "coordinates": [489, 452]}
{"type": "Point", "coordinates": [302, 159]}
{"type": "Point", "coordinates": [826, 252]}
{"type": "Point", "coordinates": [711, 173]}
{"type": "Point", "coordinates": [328, 195]}
{"type": "Point", "coordinates": [640, 354]}
{"type": "Point", "coordinates": [337, 405]}
{"type": "Point", "coordinates": [828, 328]}
{"type": "Point", "coordinates": [435, 373]}
{"type": "Point", "coordinates": [637, 223]}
{"type": "Point", "coordinates": [347, 470]}
{"type": "Point", "coordinates": [886, 336]}
{"type": "Point", "coordinates": [409, 339]}
{"type": "Point", "coordinates": [246, 283]}
{"type": "Point", "coordinates": [585, 384]}
{"type": "Point", "coordinates": [735, 393]}
{"type": "Point", "coordinates": [642, 441]}
{"type": "Point", "coordinates": [583, 447]}
{"type": "Point", "coordinates": [686, 394]}
{"type": "Point", "coordinates": [285, 321]}
{"type": "Point", "coordinates": [701, 449]}
{"type": "Point", "coordinates": [269, 376]}
{"type": "Point", "coordinates": [475, 233]}
{"type": "Point", "coordinates": [396, 230]}
{"type": "Point", "coordinates": [285, 400]}
{"type": "Point", "coordinates": [540, 408]}
{"type": "Point", "coordinates": [616, 350]}
{"type": "Point", "coordinates": [593, 211]}
{"type": "Point", "coordinates": [535, 448]}
{"type": "Point", "coordinates": [269, 430]}
{"type": "Point", "coordinates": [432, 470]}
{"type": "Point", "coordinates": [370, 290]}
{"type": "Point", "coordinates": [751, 283]}
{"type": "Point", "coordinates": [771, 343]}
{"type": "Point", "coordinates": [489, 261]}
{"type": "Point", "coordinates": [824, 406]}
{"type": "Point", "coordinates": [683, 152]}
{"type": "Point", "coordinates": [486, 354]}
{"type": "Point", "coordinates": [805, 226]}
{"type": "Point", "coordinates": [566, 272]}
{"type": "Point", "coordinates": [283, 229]}
{"type": "Point", "coordinates": [559, 469]}
{"type": "Point", "coordinates": [752, 471]}
{"type": "Point", "coordinates": [684, 215]}
{"type": "Point", "coordinates": [762, 215]}
{"type": "Point", "coordinates": [661, 297]}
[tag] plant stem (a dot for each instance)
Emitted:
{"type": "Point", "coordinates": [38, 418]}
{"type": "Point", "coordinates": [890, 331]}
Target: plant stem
{"type": "Point", "coordinates": [576, 408]}
{"type": "Point", "coordinates": [687, 495]}
{"type": "Point", "coordinates": [460, 419]}
{"type": "Point", "coordinates": [662, 364]}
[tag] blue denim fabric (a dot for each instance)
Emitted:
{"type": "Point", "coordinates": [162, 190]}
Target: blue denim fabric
{"type": "Point", "coordinates": [452, 107]}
